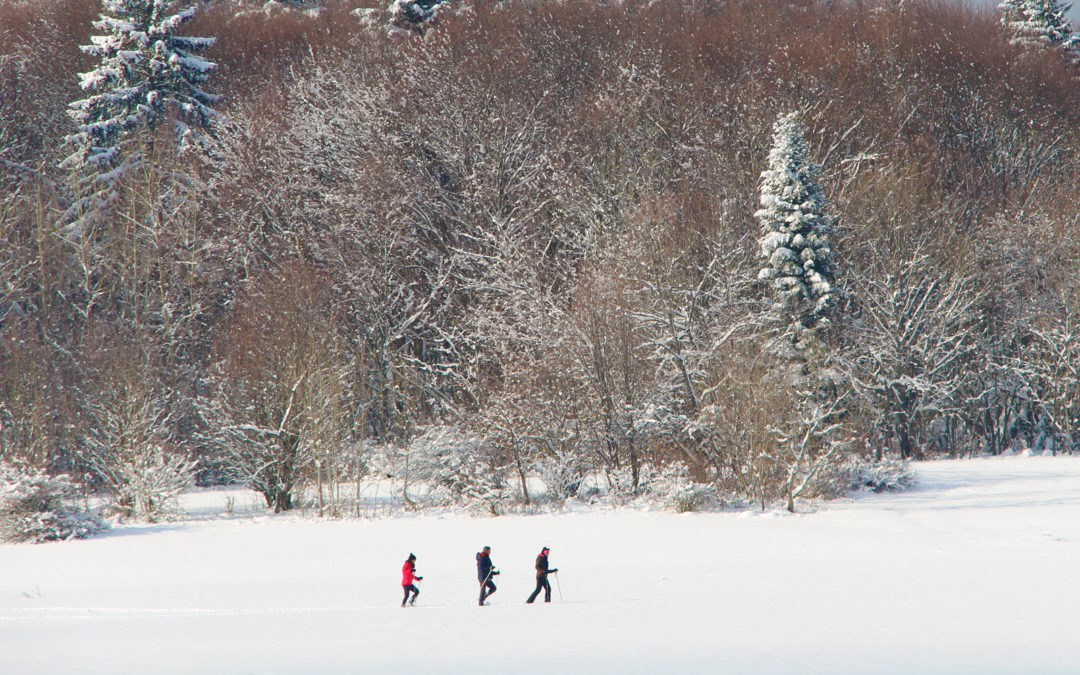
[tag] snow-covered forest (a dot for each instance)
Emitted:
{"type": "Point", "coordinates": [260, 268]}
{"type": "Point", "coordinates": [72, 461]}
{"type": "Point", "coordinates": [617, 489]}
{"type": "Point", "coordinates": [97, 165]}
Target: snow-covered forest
{"type": "Point", "coordinates": [502, 254]}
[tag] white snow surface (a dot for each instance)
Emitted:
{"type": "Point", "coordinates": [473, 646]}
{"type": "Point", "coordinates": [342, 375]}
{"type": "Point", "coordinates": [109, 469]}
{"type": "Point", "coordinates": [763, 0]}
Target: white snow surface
{"type": "Point", "coordinates": [976, 570]}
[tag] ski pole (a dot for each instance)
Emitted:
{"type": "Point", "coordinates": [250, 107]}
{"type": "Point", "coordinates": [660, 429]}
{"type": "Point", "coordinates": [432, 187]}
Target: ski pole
{"type": "Point", "coordinates": [558, 586]}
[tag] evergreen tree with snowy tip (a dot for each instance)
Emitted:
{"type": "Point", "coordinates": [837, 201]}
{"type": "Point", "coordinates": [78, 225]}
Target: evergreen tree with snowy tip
{"type": "Point", "coordinates": [795, 232]}
{"type": "Point", "coordinates": [413, 12]}
{"type": "Point", "coordinates": [1041, 22]}
{"type": "Point", "coordinates": [145, 72]}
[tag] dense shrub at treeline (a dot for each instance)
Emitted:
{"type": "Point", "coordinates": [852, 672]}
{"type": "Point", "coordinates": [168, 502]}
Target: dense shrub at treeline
{"type": "Point", "coordinates": [519, 239]}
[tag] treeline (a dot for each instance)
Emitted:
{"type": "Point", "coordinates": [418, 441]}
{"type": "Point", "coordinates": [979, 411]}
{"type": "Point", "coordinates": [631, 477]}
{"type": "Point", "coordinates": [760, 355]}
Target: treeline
{"type": "Point", "coordinates": [519, 240]}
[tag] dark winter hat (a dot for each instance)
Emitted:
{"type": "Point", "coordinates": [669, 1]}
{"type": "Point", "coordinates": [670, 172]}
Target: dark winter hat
{"type": "Point", "coordinates": [545, 549]}
{"type": "Point", "coordinates": [412, 557]}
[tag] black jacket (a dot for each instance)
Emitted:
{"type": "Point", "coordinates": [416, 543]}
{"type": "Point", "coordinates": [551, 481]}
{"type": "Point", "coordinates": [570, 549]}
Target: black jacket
{"type": "Point", "coordinates": [541, 565]}
{"type": "Point", "coordinates": [483, 566]}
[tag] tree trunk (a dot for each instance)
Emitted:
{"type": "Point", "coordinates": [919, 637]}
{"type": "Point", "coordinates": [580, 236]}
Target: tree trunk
{"type": "Point", "coordinates": [905, 442]}
{"type": "Point", "coordinates": [319, 485]}
{"type": "Point", "coordinates": [280, 499]}
{"type": "Point", "coordinates": [405, 484]}
{"type": "Point", "coordinates": [521, 476]}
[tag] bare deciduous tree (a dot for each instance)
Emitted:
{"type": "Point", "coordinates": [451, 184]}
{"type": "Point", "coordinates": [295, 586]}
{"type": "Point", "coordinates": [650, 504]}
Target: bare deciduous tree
{"type": "Point", "coordinates": [918, 329]}
{"type": "Point", "coordinates": [127, 443]}
{"type": "Point", "coordinates": [279, 403]}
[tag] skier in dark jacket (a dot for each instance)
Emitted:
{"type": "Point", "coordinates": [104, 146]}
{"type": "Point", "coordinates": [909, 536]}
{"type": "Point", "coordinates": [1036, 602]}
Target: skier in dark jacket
{"type": "Point", "coordinates": [542, 572]}
{"type": "Point", "coordinates": [485, 570]}
{"type": "Point", "coordinates": [408, 579]}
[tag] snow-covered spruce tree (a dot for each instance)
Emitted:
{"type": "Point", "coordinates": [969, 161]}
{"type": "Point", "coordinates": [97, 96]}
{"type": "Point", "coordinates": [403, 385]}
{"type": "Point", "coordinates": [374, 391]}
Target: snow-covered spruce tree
{"type": "Point", "coordinates": [1041, 22]}
{"type": "Point", "coordinates": [146, 74]}
{"type": "Point", "coordinates": [808, 431]}
{"type": "Point", "coordinates": [795, 233]}
{"type": "Point", "coordinates": [36, 507]}
{"type": "Point", "coordinates": [412, 13]}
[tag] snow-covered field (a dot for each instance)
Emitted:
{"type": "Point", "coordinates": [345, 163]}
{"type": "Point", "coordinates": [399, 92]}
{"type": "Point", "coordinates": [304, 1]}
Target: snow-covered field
{"type": "Point", "coordinates": [975, 571]}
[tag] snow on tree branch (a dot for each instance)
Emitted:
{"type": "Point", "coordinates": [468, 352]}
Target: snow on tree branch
{"type": "Point", "coordinates": [145, 73]}
{"type": "Point", "coordinates": [1041, 22]}
{"type": "Point", "coordinates": [795, 231]}
{"type": "Point", "coordinates": [36, 507]}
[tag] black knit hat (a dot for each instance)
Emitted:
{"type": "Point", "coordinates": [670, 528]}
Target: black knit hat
{"type": "Point", "coordinates": [412, 557]}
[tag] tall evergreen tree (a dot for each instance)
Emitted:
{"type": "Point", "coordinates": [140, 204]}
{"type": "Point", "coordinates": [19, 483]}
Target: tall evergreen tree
{"type": "Point", "coordinates": [795, 232]}
{"type": "Point", "coordinates": [799, 268]}
{"type": "Point", "coordinates": [145, 73]}
{"type": "Point", "coordinates": [1041, 22]}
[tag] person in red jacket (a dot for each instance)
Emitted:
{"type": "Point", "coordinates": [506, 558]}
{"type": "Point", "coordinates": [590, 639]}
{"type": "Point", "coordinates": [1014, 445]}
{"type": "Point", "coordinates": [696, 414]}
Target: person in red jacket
{"type": "Point", "coordinates": [542, 571]}
{"type": "Point", "coordinates": [408, 576]}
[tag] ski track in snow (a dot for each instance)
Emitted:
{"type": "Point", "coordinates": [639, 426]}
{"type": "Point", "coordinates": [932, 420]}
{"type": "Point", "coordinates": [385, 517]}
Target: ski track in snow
{"type": "Point", "coordinates": [976, 570]}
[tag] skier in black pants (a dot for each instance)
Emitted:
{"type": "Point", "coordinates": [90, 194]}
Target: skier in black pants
{"type": "Point", "coordinates": [408, 581]}
{"type": "Point", "coordinates": [541, 576]}
{"type": "Point", "coordinates": [485, 570]}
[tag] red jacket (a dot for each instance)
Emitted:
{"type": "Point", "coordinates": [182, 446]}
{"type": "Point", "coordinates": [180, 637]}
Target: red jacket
{"type": "Point", "coordinates": [408, 573]}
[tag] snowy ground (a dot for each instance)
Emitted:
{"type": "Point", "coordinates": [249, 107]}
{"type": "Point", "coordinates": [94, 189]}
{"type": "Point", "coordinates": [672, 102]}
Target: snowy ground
{"type": "Point", "coordinates": [975, 571]}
